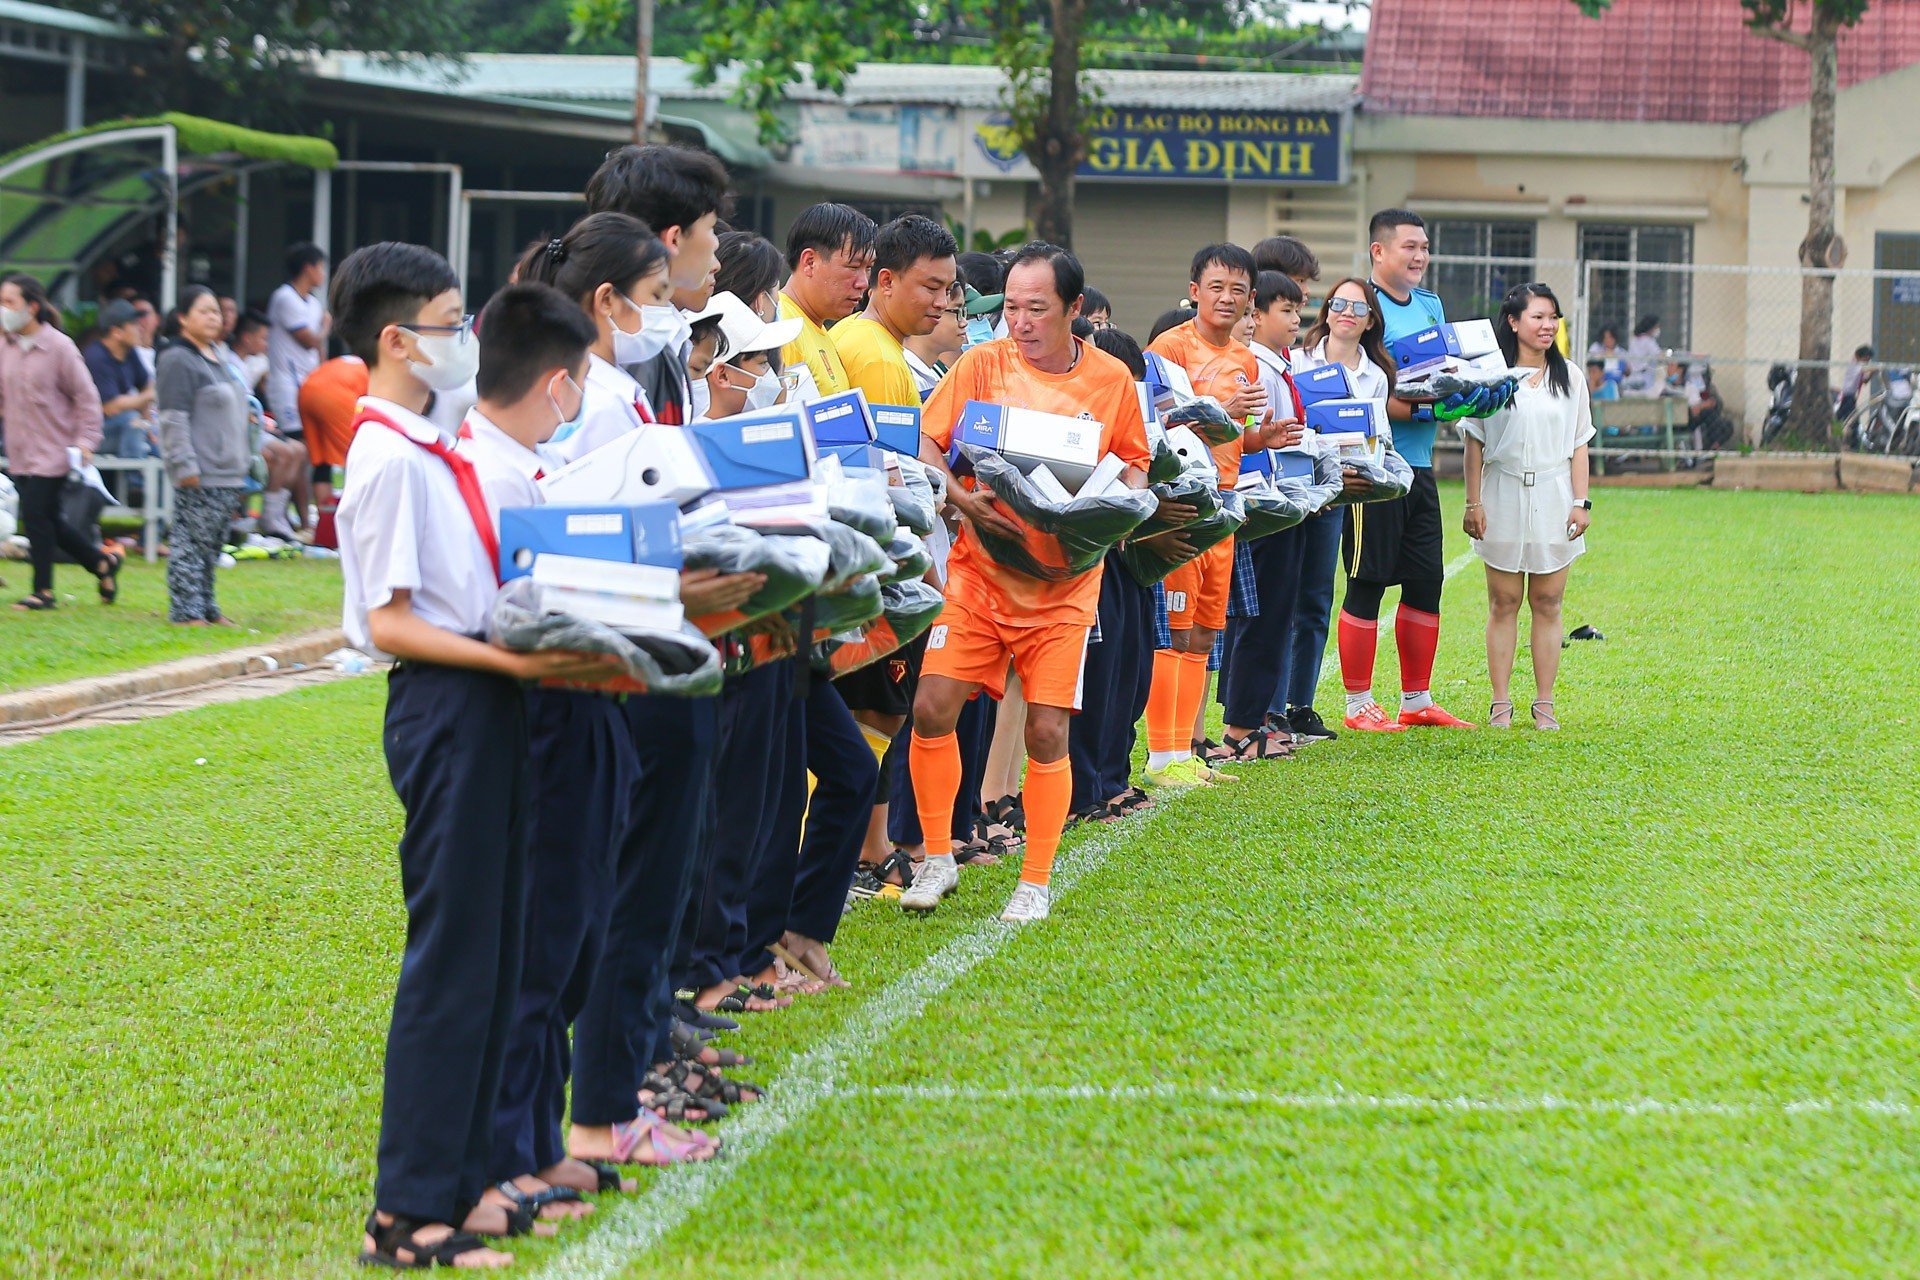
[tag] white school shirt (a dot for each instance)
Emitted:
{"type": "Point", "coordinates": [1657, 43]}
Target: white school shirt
{"type": "Point", "coordinates": [1272, 366]}
{"type": "Point", "coordinates": [1526, 486]}
{"type": "Point", "coordinates": [506, 467]}
{"type": "Point", "coordinates": [613, 401]}
{"type": "Point", "coordinates": [404, 527]}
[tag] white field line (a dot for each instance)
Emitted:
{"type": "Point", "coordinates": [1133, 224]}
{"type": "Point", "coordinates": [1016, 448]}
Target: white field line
{"type": "Point", "coordinates": [633, 1225]}
{"type": "Point", "coordinates": [1341, 1100]}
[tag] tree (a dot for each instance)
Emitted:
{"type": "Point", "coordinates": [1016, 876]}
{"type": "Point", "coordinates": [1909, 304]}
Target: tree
{"type": "Point", "coordinates": [1811, 420]}
{"type": "Point", "coordinates": [237, 60]}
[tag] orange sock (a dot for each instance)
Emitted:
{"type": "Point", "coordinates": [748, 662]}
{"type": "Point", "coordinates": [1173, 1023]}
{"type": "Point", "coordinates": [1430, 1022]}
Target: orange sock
{"type": "Point", "coordinates": [935, 766]}
{"type": "Point", "coordinates": [1049, 795]}
{"type": "Point", "coordinates": [1163, 703]}
{"type": "Point", "coordinates": [1192, 687]}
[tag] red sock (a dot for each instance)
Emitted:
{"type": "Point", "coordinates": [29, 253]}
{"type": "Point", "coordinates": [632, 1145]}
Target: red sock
{"type": "Point", "coordinates": [1417, 634]}
{"type": "Point", "coordinates": [1163, 704]}
{"type": "Point", "coordinates": [1359, 637]}
{"type": "Point", "coordinates": [935, 767]}
{"type": "Point", "coordinates": [1191, 690]}
{"type": "Point", "coordinates": [1048, 792]}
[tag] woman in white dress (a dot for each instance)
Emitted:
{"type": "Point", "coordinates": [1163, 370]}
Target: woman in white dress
{"type": "Point", "coordinates": [1527, 504]}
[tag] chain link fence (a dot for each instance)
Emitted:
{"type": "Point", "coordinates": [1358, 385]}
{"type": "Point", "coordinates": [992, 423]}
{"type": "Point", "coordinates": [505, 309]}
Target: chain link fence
{"type": "Point", "coordinates": [1725, 335]}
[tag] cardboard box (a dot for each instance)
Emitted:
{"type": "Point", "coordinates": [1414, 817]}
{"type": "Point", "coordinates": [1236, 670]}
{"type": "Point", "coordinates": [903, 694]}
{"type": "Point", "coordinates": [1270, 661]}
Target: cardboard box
{"type": "Point", "coordinates": [1193, 451]}
{"type": "Point", "coordinates": [1348, 423]}
{"type": "Point", "coordinates": [1256, 469]}
{"type": "Point", "coordinates": [839, 419]}
{"type": "Point", "coordinates": [622, 596]}
{"type": "Point", "coordinates": [1149, 412]}
{"type": "Point", "coordinates": [1070, 447]}
{"type": "Point", "coordinates": [896, 428]}
{"type": "Point", "coordinates": [1475, 338]}
{"type": "Point", "coordinates": [753, 450]}
{"type": "Point", "coordinates": [657, 463]}
{"type": "Point", "coordinates": [1167, 382]}
{"type": "Point", "coordinates": [647, 534]}
{"type": "Point", "coordinates": [1293, 464]}
{"type": "Point", "coordinates": [797, 502]}
{"type": "Point", "coordinates": [870, 456]}
{"type": "Point", "coordinates": [1323, 382]}
{"type": "Point", "coordinates": [1424, 349]}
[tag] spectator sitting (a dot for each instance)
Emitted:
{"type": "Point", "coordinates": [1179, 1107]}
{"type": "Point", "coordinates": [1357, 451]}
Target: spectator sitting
{"type": "Point", "coordinates": [1599, 385]}
{"type": "Point", "coordinates": [149, 317]}
{"type": "Point", "coordinates": [248, 346]}
{"type": "Point", "coordinates": [1644, 354]}
{"type": "Point", "coordinates": [124, 382]}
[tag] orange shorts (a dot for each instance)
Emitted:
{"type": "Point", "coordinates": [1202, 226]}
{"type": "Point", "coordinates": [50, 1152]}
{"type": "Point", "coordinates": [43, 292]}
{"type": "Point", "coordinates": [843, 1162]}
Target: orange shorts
{"type": "Point", "coordinates": [1197, 591]}
{"type": "Point", "coordinates": [975, 647]}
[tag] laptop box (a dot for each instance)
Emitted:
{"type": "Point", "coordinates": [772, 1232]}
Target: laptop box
{"type": "Point", "coordinates": [1346, 423]}
{"type": "Point", "coordinates": [1423, 349]}
{"type": "Point", "coordinates": [1322, 382]}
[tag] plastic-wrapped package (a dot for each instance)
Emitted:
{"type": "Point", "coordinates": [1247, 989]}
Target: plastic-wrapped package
{"type": "Point", "coordinates": [1203, 416]}
{"type": "Point", "coordinates": [679, 663]}
{"type": "Point", "coordinates": [1196, 491]}
{"type": "Point", "coordinates": [1271, 509]}
{"type": "Point", "coordinates": [843, 610]}
{"type": "Point", "coordinates": [913, 499]}
{"type": "Point", "coordinates": [851, 553]}
{"type": "Point", "coordinates": [1451, 380]}
{"type": "Point", "coordinates": [907, 610]}
{"type": "Point", "coordinates": [1388, 477]}
{"type": "Point", "coordinates": [1165, 464]}
{"type": "Point", "coordinates": [1058, 540]}
{"type": "Point", "coordinates": [795, 567]}
{"type": "Point", "coordinates": [910, 557]}
{"type": "Point", "coordinates": [1150, 561]}
{"type": "Point", "coordinates": [1317, 492]}
{"type": "Point", "coordinates": [858, 499]}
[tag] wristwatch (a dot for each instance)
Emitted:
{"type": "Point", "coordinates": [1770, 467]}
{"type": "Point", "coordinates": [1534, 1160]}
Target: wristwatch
{"type": "Point", "coordinates": [1585, 504]}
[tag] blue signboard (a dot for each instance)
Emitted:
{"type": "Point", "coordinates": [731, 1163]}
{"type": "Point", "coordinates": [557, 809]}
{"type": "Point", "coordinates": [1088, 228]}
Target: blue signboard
{"type": "Point", "coordinates": [1293, 147]}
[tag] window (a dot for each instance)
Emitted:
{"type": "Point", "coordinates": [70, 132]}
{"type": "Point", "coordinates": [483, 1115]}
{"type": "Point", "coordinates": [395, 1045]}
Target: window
{"type": "Point", "coordinates": [1639, 289]}
{"type": "Point", "coordinates": [1476, 262]}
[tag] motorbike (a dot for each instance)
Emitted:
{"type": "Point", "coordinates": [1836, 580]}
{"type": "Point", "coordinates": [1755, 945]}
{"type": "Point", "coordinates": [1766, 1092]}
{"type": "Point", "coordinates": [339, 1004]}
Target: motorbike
{"type": "Point", "coordinates": [1887, 420]}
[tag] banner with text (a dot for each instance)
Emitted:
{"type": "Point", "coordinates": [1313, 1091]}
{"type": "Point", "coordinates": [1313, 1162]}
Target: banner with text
{"type": "Point", "coordinates": [1150, 144]}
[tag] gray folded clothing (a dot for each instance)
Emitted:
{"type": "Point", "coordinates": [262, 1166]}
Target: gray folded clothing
{"type": "Point", "coordinates": [794, 566]}
{"type": "Point", "coordinates": [1387, 478]}
{"type": "Point", "coordinates": [680, 663]}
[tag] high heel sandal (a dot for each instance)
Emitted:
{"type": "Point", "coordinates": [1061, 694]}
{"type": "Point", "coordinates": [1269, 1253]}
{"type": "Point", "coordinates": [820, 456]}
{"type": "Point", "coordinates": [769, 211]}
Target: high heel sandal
{"type": "Point", "coordinates": [1544, 719]}
{"type": "Point", "coordinates": [1497, 718]}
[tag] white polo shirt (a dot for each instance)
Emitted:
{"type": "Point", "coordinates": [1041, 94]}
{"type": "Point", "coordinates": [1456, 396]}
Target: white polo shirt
{"type": "Point", "coordinates": [404, 526]}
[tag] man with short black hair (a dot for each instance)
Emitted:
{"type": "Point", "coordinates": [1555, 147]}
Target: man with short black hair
{"type": "Point", "coordinates": [124, 383]}
{"type": "Point", "coordinates": [1290, 256]}
{"type": "Point", "coordinates": [682, 193]}
{"type": "Point", "coordinates": [297, 333]}
{"type": "Point", "coordinates": [830, 252]}
{"type": "Point", "coordinates": [1099, 311]}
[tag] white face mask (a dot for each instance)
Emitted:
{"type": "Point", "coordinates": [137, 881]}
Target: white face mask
{"type": "Point", "coordinates": [638, 346]}
{"type": "Point", "coordinates": [567, 425]}
{"type": "Point", "coordinates": [455, 356]}
{"type": "Point", "coordinates": [14, 321]}
{"type": "Point", "coordinates": [666, 325]}
{"type": "Point", "coordinates": [765, 389]}
{"type": "Point", "coordinates": [699, 400]}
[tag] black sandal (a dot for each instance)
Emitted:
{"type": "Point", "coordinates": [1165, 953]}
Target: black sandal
{"type": "Point", "coordinates": [36, 603]}
{"type": "Point", "coordinates": [1258, 745]}
{"type": "Point", "coordinates": [534, 1201]}
{"type": "Point", "coordinates": [895, 869]}
{"type": "Point", "coordinates": [674, 1102]}
{"type": "Point", "coordinates": [608, 1173]}
{"type": "Point", "coordinates": [1133, 801]}
{"type": "Point", "coordinates": [520, 1218]}
{"type": "Point", "coordinates": [110, 580]}
{"type": "Point", "coordinates": [395, 1236]}
{"type": "Point", "coordinates": [1209, 752]}
{"type": "Point", "coordinates": [717, 1088]}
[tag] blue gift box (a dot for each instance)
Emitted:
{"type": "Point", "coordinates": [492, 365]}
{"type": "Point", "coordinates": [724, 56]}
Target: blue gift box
{"type": "Point", "coordinates": [1322, 382]}
{"type": "Point", "coordinates": [644, 534]}
{"type": "Point", "coordinates": [896, 427]}
{"type": "Point", "coordinates": [1422, 349]}
{"type": "Point", "coordinates": [869, 456]}
{"type": "Point", "coordinates": [1291, 464]}
{"type": "Point", "coordinates": [747, 450]}
{"type": "Point", "coordinates": [1348, 418]}
{"type": "Point", "coordinates": [839, 419]}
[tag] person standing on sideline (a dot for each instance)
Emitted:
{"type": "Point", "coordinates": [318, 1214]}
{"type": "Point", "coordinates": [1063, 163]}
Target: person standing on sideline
{"type": "Point", "coordinates": [204, 441]}
{"type": "Point", "coordinates": [1398, 543]}
{"type": "Point", "coordinates": [49, 406]}
{"type": "Point", "coordinates": [1527, 505]}
{"type": "Point", "coordinates": [994, 614]}
{"type": "Point", "coordinates": [297, 329]}
{"type": "Point", "coordinates": [830, 253]}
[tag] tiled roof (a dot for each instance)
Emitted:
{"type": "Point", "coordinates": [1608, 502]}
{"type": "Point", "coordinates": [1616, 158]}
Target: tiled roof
{"type": "Point", "coordinates": [610, 79]}
{"type": "Point", "coordinates": [1676, 60]}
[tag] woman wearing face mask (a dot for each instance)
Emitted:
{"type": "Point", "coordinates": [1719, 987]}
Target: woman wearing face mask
{"type": "Point", "coordinates": [203, 438]}
{"type": "Point", "coordinates": [742, 377]}
{"type": "Point", "coordinates": [49, 405]}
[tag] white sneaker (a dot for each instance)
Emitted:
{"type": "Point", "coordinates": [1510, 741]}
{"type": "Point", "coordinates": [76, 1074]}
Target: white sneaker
{"type": "Point", "coordinates": [932, 881]}
{"type": "Point", "coordinates": [1029, 902]}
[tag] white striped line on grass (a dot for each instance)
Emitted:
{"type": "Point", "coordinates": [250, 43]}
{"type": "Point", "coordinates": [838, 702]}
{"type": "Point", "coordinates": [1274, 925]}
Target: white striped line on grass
{"type": "Point", "coordinates": [632, 1226]}
{"type": "Point", "coordinates": [635, 1225]}
{"type": "Point", "coordinates": [1341, 1100]}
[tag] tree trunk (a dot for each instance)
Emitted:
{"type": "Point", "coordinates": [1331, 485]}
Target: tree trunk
{"type": "Point", "coordinates": [643, 56]}
{"type": "Point", "coordinates": [1811, 419]}
{"type": "Point", "coordinates": [1059, 143]}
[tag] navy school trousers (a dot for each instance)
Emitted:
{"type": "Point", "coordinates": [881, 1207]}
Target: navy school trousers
{"type": "Point", "coordinates": [456, 746]}
{"type": "Point", "coordinates": [1312, 610]}
{"type": "Point", "coordinates": [1258, 648]}
{"type": "Point", "coordinates": [1119, 672]}
{"type": "Point", "coordinates": [582, 764]}
{"type": "Point", "coordinates": [661, 824]}
{"type": "Point", "coordinates": [814, 846]}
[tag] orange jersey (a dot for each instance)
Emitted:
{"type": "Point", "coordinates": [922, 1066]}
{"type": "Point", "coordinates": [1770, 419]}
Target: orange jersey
{"type": "Point", "coordinates": [329, 399]}
{"type": "Point", "coordinates": [1100, 388]}
{"type": "Point", "coordinates": [1215, 371]}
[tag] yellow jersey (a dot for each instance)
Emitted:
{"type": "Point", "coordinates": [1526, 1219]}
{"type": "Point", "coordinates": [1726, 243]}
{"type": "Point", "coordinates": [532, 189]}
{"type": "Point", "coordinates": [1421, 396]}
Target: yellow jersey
{"type": "Point", "coordinates": [875, 362]}
{"type": "Point", "coordinates": [814, 349]}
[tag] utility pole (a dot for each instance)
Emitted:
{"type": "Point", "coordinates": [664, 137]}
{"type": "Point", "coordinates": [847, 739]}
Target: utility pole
{"type": "Point", "coordinates": [643, 57]}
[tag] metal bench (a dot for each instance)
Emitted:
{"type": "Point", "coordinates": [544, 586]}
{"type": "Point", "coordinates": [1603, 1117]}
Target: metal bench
{"type": "Point", "coordinates": [156, 497]}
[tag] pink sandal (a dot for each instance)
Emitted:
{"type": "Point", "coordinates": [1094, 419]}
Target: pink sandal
{"type": "Point", "coordinates": [666, 1145]}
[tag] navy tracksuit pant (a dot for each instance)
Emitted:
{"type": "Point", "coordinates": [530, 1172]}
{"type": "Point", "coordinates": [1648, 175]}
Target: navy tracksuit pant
{"type": "Point", "coordinates": [661, 824]}
{"type": "Point", "coordinates": [1257, 651]}
{"type": "Point", "coordinates": [456, 747]}
{"type": "Point", "coordinates": [582, 764]}
{"type": "Point", "coordinates": [1312, 609]}
{"type": "Point", "coordinates": [1118, 674]}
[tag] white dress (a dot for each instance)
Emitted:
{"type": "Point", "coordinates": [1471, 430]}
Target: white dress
{"type": "Point", "coordinates": [1527, 485]}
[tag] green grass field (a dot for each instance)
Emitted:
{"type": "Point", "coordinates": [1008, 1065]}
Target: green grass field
{"type": "Point", "coordinates": [85, 638]}
{"type": "Point", "coordinates": [1634, 1000]}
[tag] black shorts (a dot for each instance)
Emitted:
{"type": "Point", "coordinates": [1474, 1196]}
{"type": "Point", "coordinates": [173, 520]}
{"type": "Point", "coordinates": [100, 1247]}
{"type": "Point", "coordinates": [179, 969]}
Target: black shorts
{"type": "Point", "coordinates": [1398, 541]}
{"type": "Point", "coordinates": [885, 687]}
